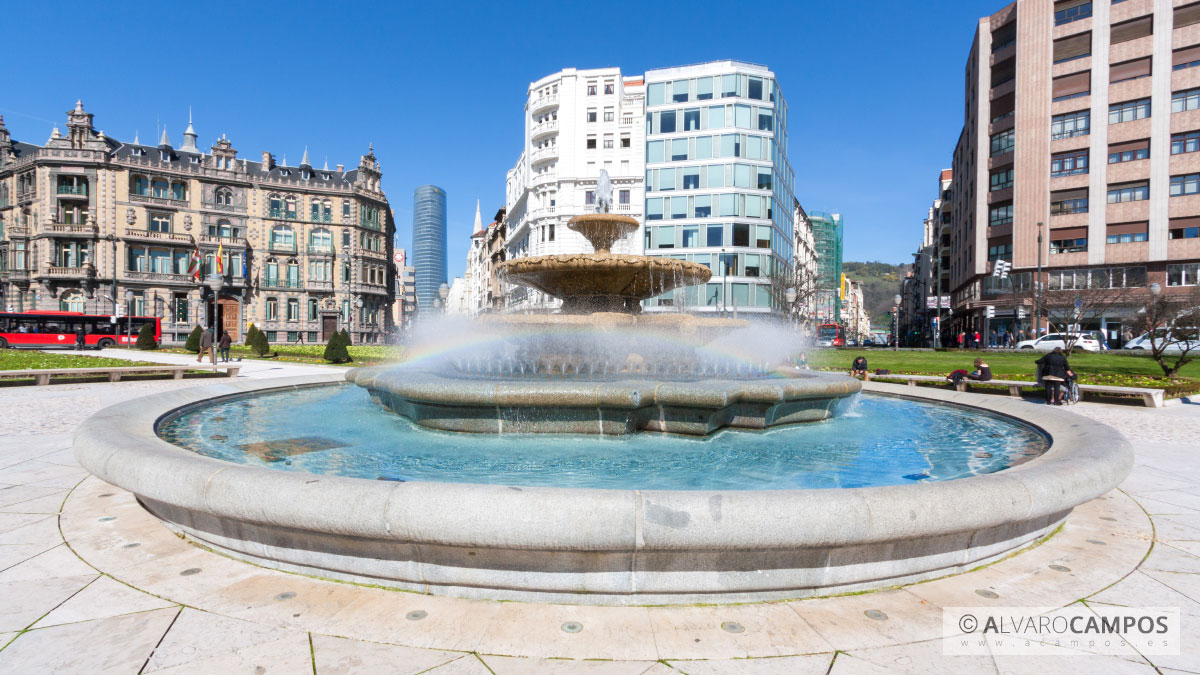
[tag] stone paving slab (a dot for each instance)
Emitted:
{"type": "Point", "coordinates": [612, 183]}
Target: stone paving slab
{"type": "Point", "coordinates": [116, 645]}
{"type": "Point", "coordinates": [343, 656]}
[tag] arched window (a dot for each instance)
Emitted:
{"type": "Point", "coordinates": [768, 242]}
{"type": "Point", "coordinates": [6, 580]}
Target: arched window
{"type": "Point", "coordinates": [141, 186]}
{"type": "Point", "coordinates": [224, 196]}
{"type": "Point", "coordinates": [289, 208]}
{"type": "Point", "coordinates": [282, 237]}
{"type": "Point", "coordinates": [71, 302]}
{"type": "Point", "coordinates": [293, 274]}
{"type": "Point", "coordinates": [320, 241]}
{"type": "Point", "coordinates": [159, 187]}
{"type": "Point", "coordinates": [224, 229]}
{"type": "Point", "coordinates": [328, 218]}
{"type": "Point", "coordinates": [179, 191]}
{"type": "Point", "coordinates": [3, 195]}
{"type": "Point", "coordinates": [316, 211]}
{"type": "Point", "coordinates": [276, 205]}
{"type": "Point", "coordinates": [272, 272]}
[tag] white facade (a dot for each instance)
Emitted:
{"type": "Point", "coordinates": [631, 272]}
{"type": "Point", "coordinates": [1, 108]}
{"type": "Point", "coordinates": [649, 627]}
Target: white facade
{"type": "Point", "coordinates": [858, 323]}
{"type": "Point", "coordinates": [804, 259]}
{"type": "Point", "coordinates": [479, 269]}
{"type": "Point", "coordinates": [577, 122]}
{"type": "Point", "coordinates": [458, 300]}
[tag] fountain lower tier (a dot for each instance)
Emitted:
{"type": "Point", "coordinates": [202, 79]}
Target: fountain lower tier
{"type": "Point", "coordinates": [571, 406]}
{"type": "Point", "coordinates": [602, 282]}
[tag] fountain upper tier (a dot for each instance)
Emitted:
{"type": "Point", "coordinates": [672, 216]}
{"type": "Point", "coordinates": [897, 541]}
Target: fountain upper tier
{"type": "Point", "coordinates": [602, 281]}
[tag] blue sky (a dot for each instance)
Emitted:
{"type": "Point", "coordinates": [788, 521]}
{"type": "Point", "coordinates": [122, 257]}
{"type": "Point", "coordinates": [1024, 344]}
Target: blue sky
{"type": "Point", "coordinates": [875, 91]}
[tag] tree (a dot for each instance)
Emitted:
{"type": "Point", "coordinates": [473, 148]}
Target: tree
{"type": "Point", "coordinates": [193, 340]}
{"type": "Point", "coordinates": [806, 288]}
{"type": "Point", "coordinates": [1172, 322]}
{"type": "Point", "coordinates": [1071, 299]}
{"type": "Point", "coordinates": [335, 350]}
{"type": "Point", "coordinates": [260, 345]}
{"type": "Point", "coordinates": [250, 333]}
{"type": "Point", "coordinates": [145, 338]}
{"type": "Point", "coordinates": [346, 338]}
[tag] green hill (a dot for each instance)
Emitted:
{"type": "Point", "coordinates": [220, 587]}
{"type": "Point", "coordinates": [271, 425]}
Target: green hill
{"type": "Point", "coordinates": [880, 283]}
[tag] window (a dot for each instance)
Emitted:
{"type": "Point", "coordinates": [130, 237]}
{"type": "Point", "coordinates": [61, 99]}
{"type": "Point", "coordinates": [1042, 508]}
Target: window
{"type": "Point", "coordinates": [716, 235]}
{"type": "Point", "coordinates": [1184, 232]}
{"type": "Point", "coordinates": [608, 142]}
{"type": "Point", "coordinates": [609, 115]}
{"type": "Point", "coordinates": [1002, 142]}
{"type": "Point", "coordinates": [1074, 245]}
{"type": "Point", "coordinates": [1001, 179]}
{"type": "Point", "coordinates": [160, 223]}
{"type": "Point", "coordinates": [272, 312]}
{"type": "Point", "coordinates": [679, 149]}
{"type": "Point", "coordinates": [1066, 202]}
{"type": "Point", "coordinates": [320, 240]}
{"type": "Point", "coordinates": [1182, 59]}
{"type": "Point", "coordinates": [704, 89]}
{"type": "Point", "coordinates": [1071, 86]}
{"type": "Point", "coordinates": [654, 208]}
{"type": "Point", "coordinates": [293, 309]}
{"type": "Point", "coordinates": [1188, 184]}
{"type": "Point", "coordinates": [141, 186]}
{"type": "Point", "coordinates": [1000, 252]}
{"type": "Point", "coordinates": [1129, 70]}
{"type": "Point", "coordinates": [1132, 29]}
{"type": "Point", "coordinates": [1187, 274]}
{"type": "Point", "coordinates": [345, 208]}
{"type": "Point", "coordinates": [589, 197]}
{"type": "Point", "coordinates": [1128, 152]}
{"type": "Point", "coordinates": [1072, 11]}
{"type": "Point", "coordinates": [679, 91]}
{"type": "Point", "coordinates": [1130, 192]}
{"type": "Point", "coordinates": [1071, 48]}
{"type": "Point", "coordinates": [1129, 111]}
{"type": "Point", "coordinates": [282, 237]}
{"type": "Point", "coordinates": [666, 122]}
{"type": "Point", "coordinates": [178, 191]}
{"type": "Point", "coordinates": [1126, 238]}
{"type": "Point", "coordinates": [1000, 215]}
{"type": "Point", "coordinates": [623, 197]}
{"type": "Point", "coordinates": [1188, 141]}
{"type": "Point", "coordinates": [703, 206]}
{"type": "Point", "coordinates": [691, 119]}
{"type": "Point", "coordinates": [159, 188]}
{"type": "Point", "coordinates": [591, 143]}
{"type": "Point", "coordinates": [728, 86]}
{"type": "Point", "coordinates": [625, 142]}
{"type": "Point", "coordinates": [1069, 163]}
{"type": "Point", "coordinates": [1188, 99]}
{"type": "Point", "coordinates": [1186, 15]}
{"type": "Point", "coordinates": [224, 196]}
{"type": "Point", "coordinates": [591, 115]}
{"type": "Point", "coordinates": [591, 90]}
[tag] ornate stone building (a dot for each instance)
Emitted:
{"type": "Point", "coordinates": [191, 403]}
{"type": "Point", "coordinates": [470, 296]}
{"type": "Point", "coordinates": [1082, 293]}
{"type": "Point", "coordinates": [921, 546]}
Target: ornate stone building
{"type": "Point", "coordinates": [87, 222]}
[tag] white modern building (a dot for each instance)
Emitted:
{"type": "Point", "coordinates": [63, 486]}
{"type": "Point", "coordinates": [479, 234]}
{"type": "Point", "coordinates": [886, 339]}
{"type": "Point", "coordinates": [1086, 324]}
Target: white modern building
{"type": "Point", "coordinates": [804, 269]}
{"type": "Point", "coordinates": [719, 188]}
{"type": "Point", "coordinates": [577, 122]}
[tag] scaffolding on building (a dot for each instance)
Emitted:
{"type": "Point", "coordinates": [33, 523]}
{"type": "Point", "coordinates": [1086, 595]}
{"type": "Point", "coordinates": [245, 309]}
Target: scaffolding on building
{"type": "Point", "coordinates": [827, 241]}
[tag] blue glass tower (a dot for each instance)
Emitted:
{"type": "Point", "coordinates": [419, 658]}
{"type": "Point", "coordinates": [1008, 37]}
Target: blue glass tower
{"type": "Point", "coordinates": [429, 244]}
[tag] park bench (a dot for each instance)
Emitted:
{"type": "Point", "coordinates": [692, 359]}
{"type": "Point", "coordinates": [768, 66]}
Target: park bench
{"type": "Point", "coordinates": [1153, 398]}
{"type": "Point", "coordinates": [43, 375]}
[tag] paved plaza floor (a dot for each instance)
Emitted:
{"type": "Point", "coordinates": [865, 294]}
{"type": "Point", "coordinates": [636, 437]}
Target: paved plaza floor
{"type": "Point", "coordinates": [91, 583]}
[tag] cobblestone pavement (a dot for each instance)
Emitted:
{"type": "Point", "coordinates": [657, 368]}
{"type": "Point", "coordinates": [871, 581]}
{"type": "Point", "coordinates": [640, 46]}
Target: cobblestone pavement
{"type": "Point", "coordinates": [59, 614]}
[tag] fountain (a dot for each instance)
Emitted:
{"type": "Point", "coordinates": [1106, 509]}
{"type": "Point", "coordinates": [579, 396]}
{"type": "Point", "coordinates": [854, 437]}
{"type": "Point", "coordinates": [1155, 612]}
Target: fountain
{"type": "Point", "coordinates": [601, 366]}
{"type": "Point", "coordinates": [562, 495]}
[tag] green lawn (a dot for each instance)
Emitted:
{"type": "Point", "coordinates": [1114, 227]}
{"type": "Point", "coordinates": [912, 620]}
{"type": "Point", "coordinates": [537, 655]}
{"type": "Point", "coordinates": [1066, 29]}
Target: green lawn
{"type": "Point", "coordinates": [1114, 369]}
{"type": "Point", "coordinates": [19, 359]}
{"type": "Point", "coordinates": [363, 355]}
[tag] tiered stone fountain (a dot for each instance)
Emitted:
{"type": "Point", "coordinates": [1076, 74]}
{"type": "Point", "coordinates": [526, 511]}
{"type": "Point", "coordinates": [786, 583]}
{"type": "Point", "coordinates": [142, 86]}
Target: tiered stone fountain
{"type": "Point", "coordinates": [601, 366]}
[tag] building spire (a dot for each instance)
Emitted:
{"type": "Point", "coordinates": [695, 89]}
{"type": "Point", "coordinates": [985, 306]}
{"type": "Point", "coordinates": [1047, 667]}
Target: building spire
{"type": "Point", "coordinates": [304, 160]}
{"type": "Point", "coordinates": [164, 141]}
{"type": "Point", "coordinates": [189, 135]}
{"type": "Point", "coordinates": [325, 168]}
{"type": "Point", "coordinates": [478, 220]}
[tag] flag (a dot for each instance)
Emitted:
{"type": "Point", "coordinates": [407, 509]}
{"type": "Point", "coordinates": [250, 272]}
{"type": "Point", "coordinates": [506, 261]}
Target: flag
{"type": "Point", "coordinates": [244, 256]}
{"type": "Point", "coordinates": [220, 263]}
{"type": "Point", "coordinates": [194, 264]}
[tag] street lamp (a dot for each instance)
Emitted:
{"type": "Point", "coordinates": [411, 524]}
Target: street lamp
{"type": "Point", "coordinates": [112, 239]}
{"type": "Point", "coordinates": [896, 322]}
{"type": "Point", "coordinates": [790, 296]}
{"type": "Point", "coordinates": [128, 316]}
{"type": "Point", "coordinates": [1037, 289]}
{"type": "Point", "coordinates": [214, 282]}
{"type": "Point", "coordinates": [1155, 289]}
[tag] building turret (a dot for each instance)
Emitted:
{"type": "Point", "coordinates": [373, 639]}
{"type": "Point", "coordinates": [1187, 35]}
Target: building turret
{"type": "Point", "coordinates": [189, 136]}
{"type": "Point", "coordinates": [164, 143]}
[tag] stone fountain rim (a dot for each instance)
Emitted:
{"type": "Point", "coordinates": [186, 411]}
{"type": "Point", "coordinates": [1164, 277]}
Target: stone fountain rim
{"type": "Point", "coordinates": [120, 445]}
{"type": "Point", "coordinates": [614, 260]}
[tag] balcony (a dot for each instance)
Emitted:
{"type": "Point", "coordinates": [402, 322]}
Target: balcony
{"type": "Point", "coordinates": [215, 240]}
{"type": "Point", "coordinates": [166, 237]}
{"type": "Point", "coordinates": [544, 129]}
{"type": "Point", "coordinates": [545, 178]}
{"type": "Point", "coordinates": [286, 284]}
{"type": "Point", "coordinates": [157, 201]}
{"type": "Point", "coordinates": [279, 214]}
{"type": "Point", "coordinates": [160, 277]}
{"type": "Point", "coordinates": [282, 246]}
{"type": "Point", "coordinates": [56, 272]}
{"type": "Point", "coordinates": [544, 154]}
{"type": "Point", "coordinates": [368, 253]}
{"type": "Point", "coordinates": [543, 103]}
{"type": "Point", "coordinates": [320, 250]}
{"type": "Point", "coordinates": [318, 286]}
{"type": "Point", "coordinates": [68, 230]}
{"type": "Point", "coordinates": [226, 208]}
{"type": "Point", "coordinates": [73, 190]}
{"type": "Point", "coordinates": [17, 230]}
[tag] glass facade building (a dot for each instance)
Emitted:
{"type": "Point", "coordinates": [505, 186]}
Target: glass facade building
{"type": "Point", "coordinates": [429, 244]}
{"type": "Point", "coordinates": [827, 241]}
{"type": "Point", "coordinates": [719, 188]}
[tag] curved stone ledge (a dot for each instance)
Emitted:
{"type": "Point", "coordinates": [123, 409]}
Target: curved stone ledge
{"type": "Point", "coordinates": [601, 546]}
{"type": "Point", "coordinates": [602, 407]}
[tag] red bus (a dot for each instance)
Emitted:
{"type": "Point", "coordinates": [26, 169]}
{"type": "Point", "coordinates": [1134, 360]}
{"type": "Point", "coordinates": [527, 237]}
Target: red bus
{"type": "Point", "coordinates": [38, 330]}
{"type": "Point", "coordinates": [830, 335]}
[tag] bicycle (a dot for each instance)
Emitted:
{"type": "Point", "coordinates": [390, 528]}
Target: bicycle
{"type": "Point", "coordinates": [1072, 394]}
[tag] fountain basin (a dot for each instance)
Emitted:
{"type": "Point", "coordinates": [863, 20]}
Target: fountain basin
{"type": "Point", "coordinates": [601, 546]}
{"type": "Point", "coordinates": [623, 406]}
{"type": "Point", "coordinates": [602, 283]}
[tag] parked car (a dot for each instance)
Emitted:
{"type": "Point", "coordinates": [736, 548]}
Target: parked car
{"type": "Point", "coordinates": [1176, 340]}
{"type": "Point", "coordinates": [868, 343]}
{"type": "Point", "coordinates": [1046, 343]}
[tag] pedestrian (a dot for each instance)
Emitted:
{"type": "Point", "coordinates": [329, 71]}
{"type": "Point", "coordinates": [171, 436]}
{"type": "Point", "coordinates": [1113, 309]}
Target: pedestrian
{"type": "Point", "coordinates": [80, 338]}
{"type": "Point", "coordinates": [859, 368]}
{"type": "Point", "coordinates": [1008, 340]}
{"type": "Point", "coordinates": [1054, 371]}
{"type": "Point", "coordinates": [801, 361]}
{"type": "Point", "coordinates": [961, 338]}
{"type": "Point", "coordinates": [206, 345]}
{"type": "Point", "coordinates": [978, 341]}
{"type": "Point", "coordinates": [223, 344]}
{"type": "Point", "coordinates": [993, 342]}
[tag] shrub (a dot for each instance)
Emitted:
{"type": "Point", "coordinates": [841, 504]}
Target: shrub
{"type": "Point", "coordinates": [145, 338]}
{"type": "Point", "coordinates": [335, 350]}
{"type": "Point", "coordinates": [193, 340]}
{"type": "Point", "coordinates": [260, 345]}
{"type": "Point", "coordinates": [346, 338]}
{"type": "Point", "coordinates": [250, 333]}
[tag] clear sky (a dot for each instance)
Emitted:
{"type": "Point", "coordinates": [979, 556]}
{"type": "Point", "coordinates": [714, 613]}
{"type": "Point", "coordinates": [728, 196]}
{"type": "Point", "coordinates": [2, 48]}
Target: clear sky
{"type": "Point", "coordinates": [874, 87]}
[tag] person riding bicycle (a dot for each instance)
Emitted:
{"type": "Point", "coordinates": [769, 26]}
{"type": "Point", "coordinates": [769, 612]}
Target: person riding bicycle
{"type": "Point", "coordinates": [1055, 371]}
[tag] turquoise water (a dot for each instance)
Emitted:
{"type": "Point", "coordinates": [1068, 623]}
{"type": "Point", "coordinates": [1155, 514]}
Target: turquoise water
{"type": "Point", "coordinates": [875, 440]}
